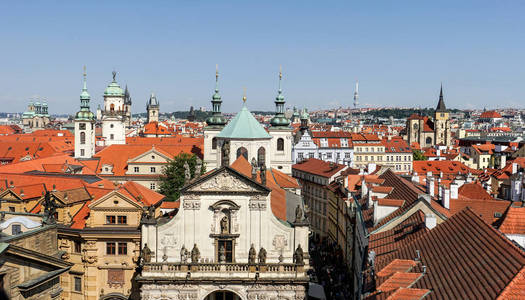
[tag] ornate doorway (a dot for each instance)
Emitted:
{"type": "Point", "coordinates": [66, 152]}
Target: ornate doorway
{"type": "Point", "coordinates": [222, 295]}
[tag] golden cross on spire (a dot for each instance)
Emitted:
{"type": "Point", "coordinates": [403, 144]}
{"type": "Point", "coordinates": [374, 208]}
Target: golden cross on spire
{"type": "Point", "coordinates": [280, 72]}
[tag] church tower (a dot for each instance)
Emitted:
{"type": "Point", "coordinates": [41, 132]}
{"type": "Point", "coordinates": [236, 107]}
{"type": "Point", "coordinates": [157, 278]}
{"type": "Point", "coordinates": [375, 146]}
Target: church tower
{"type": "Point", "coordinates": [114, 114]}
{"type": "Point", "coordinates": [127, 107]}
{"type": "Point", "coordinates": [442, 122]}
{"type": "Point", "coordinates": [281, 132]}
{"type": "Point", "coordinates": [215, 123]}
{"type": "Point", "coordinates": [84, 126]}
{"type": "Point", "coordinates": [153, 109]}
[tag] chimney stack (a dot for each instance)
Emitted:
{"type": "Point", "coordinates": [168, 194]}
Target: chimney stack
{"type": "Point", "coordinates": [430, 186]}
{"type": "Point", "coordinates": [446, 197]}
{"type": "Point", "coordinates": [430, 221]}
{"type": "Point", "coordinates": [514, 168]}
{"type": "Point", "coordinates": [454, 191]}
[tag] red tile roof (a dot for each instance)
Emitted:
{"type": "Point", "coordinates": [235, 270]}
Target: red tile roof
{"type": "Point", "coordinates": [409, 294]}
{"type": "Point", "coordinates": [399, 280]}
{"type": "Point", "coordinates": [465, 258]}
{"type": "Point", "coordinates": [516, 289]}
{"type": "Point", "coordinates": [473, 190]}
{"type": "Point", "coordinates": [396, 145]}
{"type": "Point", "coordinates": [514, 221]}
{"type": "Point", "coordinates": [491, 114]}
{"type": "Point", "coordinates": [445, 166]}
{"type": "Point", "coordinates": [318, 167]}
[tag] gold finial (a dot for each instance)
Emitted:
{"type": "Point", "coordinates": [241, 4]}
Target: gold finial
{"type": "Point", "coordinates": [244, 96]}
{"type": "Point", "coordinates": [280, 72]}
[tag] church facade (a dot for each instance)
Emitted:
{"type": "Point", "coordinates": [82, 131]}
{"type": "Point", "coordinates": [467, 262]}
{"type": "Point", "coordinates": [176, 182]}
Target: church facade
{"type": "Point", "coordinates": [429, 132]}
{"type": "Point", "coordinates": [233, 237]}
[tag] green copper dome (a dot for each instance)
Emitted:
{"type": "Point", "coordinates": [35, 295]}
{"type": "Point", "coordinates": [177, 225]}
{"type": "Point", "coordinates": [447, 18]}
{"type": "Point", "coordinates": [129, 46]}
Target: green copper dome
{"type": "Point", "coordinates": [279, 120]}
{"type": "Point", "coordinates": [216, 119]}
{"type": "Point", "coordinates": [114, 88]}
{"type": "Point", "coordinates": [85, 115]}
{"type": "Point", "coordinates": [244, 126]}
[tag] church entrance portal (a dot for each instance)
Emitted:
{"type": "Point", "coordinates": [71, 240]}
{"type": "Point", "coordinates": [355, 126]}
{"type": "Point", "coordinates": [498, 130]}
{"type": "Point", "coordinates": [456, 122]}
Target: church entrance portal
{"type": "Point", "coordinates": [222, 295]}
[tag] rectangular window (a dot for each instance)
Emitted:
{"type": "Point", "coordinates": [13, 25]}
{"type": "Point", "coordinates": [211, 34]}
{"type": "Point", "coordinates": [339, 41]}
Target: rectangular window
{"type": "Point", "coordinates": [16, 229]}
{"type": "Point", "coordinates": [152, 186]}
{"type": "Point", "coordinates": [78, 284]}
{"type": "Point", "coordinates": [152, 169]}
{"type": "Point", "coordinates": [347, 155]}
{"type": "Point", "coordinates": [228, 250]}
{"type": "Point", "coordinates": [11, 208]}
{"type": "Point", "coordinates": [110, 248]}
{"type": "Point", "coordinates": [122, 219]}
{"type": "Point", "coordinates": [136, 169]}
{"type": "Point", "coordinates": [82, 126]}
{"type": "Point", "coordinates": [310, 155]}
{"type": "Point", "coordinates": [111, 136]}
{"type": "Point", "coordinates": [110, 220]}
{"type": "Point", "coordinates": [329, 155]}
{"type": "Point", "coordinates": [78, 247]}
{"type": "Point", "coordinates": [300, 155]}
{"type": "Point", "coordinates": [122, 248]}
{"type": "Point", "coordinates": [82, 152]}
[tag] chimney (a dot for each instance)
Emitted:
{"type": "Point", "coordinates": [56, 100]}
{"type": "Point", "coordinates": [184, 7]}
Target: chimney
{"type": "Point", "coordinates": [438, 152]}
{"type": "Point", "coordinates": [430, 186]}
{"type": "Point", "coordinates": [446, 197]}
{"type": "Point", "coordinates": [430, 221]}
{"type": "Point", "coordinates": [454, 191]}
{"type": "Point", "coordinates": [514, 168]}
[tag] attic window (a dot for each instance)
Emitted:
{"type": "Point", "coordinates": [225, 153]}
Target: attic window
{"type": "Point", "coordinates": [153, 157]}
{"type": "Point", "coordinates": [27, 148]}
{"type": "Point", "coordinates": [497, 215]}
{"type": "Point", "coordinates": [115, 202]}
{"type": "Point", "coordinates": [9, 148]}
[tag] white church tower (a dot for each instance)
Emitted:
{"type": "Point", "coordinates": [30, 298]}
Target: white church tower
{"type": "Point", "coordinates": [114, 114]}
{"type": "Point", "coordinates": [84, 126]}
{"type": "Point", "coordinates": [215, 123]}
{"type": "Point", "coordinates": [281, 132]}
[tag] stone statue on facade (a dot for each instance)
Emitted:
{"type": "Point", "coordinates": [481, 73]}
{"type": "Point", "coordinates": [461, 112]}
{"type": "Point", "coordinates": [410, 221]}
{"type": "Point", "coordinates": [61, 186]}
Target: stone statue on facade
{"type": "Point", "coordinates": [263, 174]}
{"type": "Point", "coordinates": [146, 254]}
{"type": "Point", "coordinates": [262, 256]}
{"type": "Point", "coordinates": [50, 209]}
{"type": "Point", "coordinates": [187, 173]}
{"type": "Point", "coordinates": [252, 255]}
{"type": "Point", "coordinates": [195, 254]}
{"type": "Point", "coordinates": [299, 255]}
{"type": "Point", "coordinates": [298, 214]}
{"type": "Point", "coordinates": [254, 168]}
{"type": "Point", "coordinates": [183, 254]}
{"type": "Point", "coordinates": [225, 154]}
{"type": "Point", "coordinates": [224, 225]}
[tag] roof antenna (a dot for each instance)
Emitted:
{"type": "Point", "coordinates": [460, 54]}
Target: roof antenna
{"type": "Point", "coordinates": [418, 256]}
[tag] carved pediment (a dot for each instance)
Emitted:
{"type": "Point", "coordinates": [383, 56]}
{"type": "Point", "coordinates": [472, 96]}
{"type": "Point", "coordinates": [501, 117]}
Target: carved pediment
{"type": "Point", "coordinates": [224, 181]}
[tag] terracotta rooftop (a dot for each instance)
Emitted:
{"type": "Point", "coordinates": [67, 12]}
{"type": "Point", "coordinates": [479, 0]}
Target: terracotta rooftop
{"type": "Point", "coordinates": [465, 258]}
{"type": "Point", "coordinates": [514, 221]}
{"type": "Point", "coordinates": [408, 294]}
{"type": "Point", "coordinates": [473, 190]}
{"type": "Point", "coordinates": [318, 167]}
{"type": "Point", "coordinates": [491, 114]}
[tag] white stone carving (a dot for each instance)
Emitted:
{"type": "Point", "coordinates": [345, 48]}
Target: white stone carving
{"type": "Point", "coordinates": [191, 204]}
{"type": "Point", "coordinates": [279, 242]}
{"type": "Point", "coordinates": [223, 182]}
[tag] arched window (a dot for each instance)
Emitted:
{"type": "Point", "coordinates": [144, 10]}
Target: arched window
{"type": "Point", "coordinates": [112, 107]}
{"type": "Point", "coordinates": [82, 138]}
{"type": "Point", "coordinates": [214, 143]}
{"type": "Point", "coordinates": [261, 156]}
{"type": "Point", "coordinates": [280, 144]}
{"type": "Point", "coordinates": [242, 151]}
{"type": "Point", "coordinates": [429, 140]}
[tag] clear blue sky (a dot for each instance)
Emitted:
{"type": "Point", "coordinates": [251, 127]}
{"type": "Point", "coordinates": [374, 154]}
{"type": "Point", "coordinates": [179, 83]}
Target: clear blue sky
{"type": "Point", "coordinates": [399, 50]}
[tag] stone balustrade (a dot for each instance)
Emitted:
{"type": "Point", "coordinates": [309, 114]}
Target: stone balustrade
{"type": "Point", "coordinates": [226, 270]}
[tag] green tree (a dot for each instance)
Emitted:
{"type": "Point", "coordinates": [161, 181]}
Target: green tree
{"type": "Point", "coordinates": [418, 155]}
{"type": "Point", "coordinates": [173, 178]}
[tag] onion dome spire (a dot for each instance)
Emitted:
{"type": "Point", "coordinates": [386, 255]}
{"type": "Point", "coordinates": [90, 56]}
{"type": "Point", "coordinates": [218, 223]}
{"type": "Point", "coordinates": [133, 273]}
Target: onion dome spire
{"type": "Point", "coordinates": [279, 120]}
{"type": "Point", "coordinates": [216, 119]}
{"type": "Point", "coordinates": [84, 113]}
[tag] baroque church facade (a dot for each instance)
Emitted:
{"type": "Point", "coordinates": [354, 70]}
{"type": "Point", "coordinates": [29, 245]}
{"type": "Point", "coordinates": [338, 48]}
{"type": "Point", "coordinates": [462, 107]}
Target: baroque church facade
{"type": "Point", "coordinates": [230, 238]}
{"type": "Point", "coordinates": [429, 132]}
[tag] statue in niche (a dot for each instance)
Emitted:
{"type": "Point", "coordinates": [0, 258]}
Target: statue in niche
{"type": "Point", "coordinates": [146, 254]}
{"type": "Point", "coordinates": [225, 226]}
{"type": "Point", "coordinates": [262, 256]}
{"type": "Point", "coordinates": [252, 255]}
{"type": "Point", "coordinates": [225, 154]}
{"type": "Point", "coordinates": [195, 254]}
{"type": "Point", "coordinates": [299, 255]}
{"type": "Point", "coordinates": [298, 213]}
